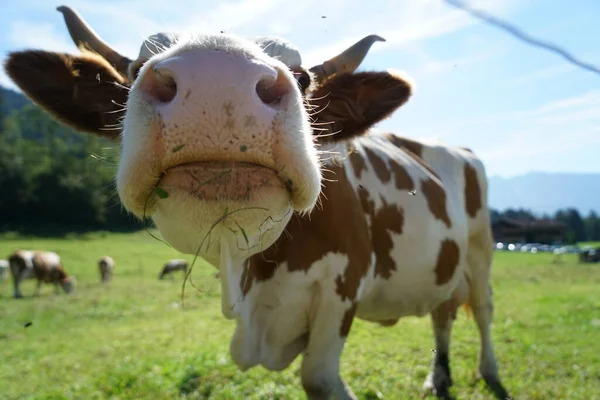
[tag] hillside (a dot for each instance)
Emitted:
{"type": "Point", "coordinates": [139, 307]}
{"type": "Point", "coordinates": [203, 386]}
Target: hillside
{"type": "Point", "coordinates": [11, 100]}
{"type": "Point", "coordinates": [544, 192]}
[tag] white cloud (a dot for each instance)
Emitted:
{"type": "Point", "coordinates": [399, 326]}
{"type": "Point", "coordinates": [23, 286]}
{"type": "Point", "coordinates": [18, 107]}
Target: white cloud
{"type": "Point", "coordinates": [591, 98]}
{"type": "Point", "coordinates": [418, 20]}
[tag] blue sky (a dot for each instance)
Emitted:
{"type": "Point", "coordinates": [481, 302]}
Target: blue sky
{"type": "Point", "coordinates": [520, 108]}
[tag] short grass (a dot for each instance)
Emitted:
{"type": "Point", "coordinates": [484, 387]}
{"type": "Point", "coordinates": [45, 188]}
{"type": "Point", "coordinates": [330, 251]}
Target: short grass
{"type": "Point", "coordinates": [592, 244]}
{"type": "Point", "coordinates": [134, 340]}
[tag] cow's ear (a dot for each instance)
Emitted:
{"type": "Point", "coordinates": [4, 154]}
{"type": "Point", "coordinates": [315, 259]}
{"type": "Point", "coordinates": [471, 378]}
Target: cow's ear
{"type": "Point", "coordinates": [349, 104]}
{"type": "Point", "coordinates": [84, 91]}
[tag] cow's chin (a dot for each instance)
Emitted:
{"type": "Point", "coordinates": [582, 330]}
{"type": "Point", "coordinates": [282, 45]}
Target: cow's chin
{"type": "Point", "coordinates": [202, 204]}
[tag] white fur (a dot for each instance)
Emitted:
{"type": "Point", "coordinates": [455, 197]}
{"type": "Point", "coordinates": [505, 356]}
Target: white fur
{"type": "Point", "coordinates": [289, 149]}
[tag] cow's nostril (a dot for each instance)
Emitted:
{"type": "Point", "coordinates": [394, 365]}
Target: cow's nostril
{"type": "Point", "coordinates": [166, 87]}
{"type": "Point", "coordinates": [270, 90]}
{"type": "Point", "coordinates": [159, 84]}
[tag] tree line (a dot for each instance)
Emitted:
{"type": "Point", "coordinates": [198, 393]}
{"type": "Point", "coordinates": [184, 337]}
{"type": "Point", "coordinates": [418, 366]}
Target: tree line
{"type": "Point", "coordinates": [54, 179]}
{"type": "Point", "coordinates": [578, 228]}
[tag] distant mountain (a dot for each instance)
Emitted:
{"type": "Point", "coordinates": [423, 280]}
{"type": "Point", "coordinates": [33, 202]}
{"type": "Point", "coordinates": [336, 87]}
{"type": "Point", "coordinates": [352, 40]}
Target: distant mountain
{"type": "Point", "coordinates": [545, 192]}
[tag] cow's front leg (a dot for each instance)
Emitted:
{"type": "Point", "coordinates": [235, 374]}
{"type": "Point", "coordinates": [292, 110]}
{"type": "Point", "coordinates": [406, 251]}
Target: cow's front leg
{"type": "Point", "coordinates": [321, 360]}
{"type": "Point", "coordinates": [38, 287]}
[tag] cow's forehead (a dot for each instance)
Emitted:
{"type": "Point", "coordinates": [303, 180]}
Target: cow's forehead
{"type": "Point", "coordinates": [157, 43]}
{"type": "Point", "coordinates": [274, 46]}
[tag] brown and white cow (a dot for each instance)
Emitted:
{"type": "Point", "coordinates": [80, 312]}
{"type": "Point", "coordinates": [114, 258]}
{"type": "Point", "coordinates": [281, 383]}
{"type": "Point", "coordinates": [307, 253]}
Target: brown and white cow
{"type": "Point", "coordinates": [44, 266]}
{"type": "Point", "coordinates": [106, 265]}
{"type": "Point", "coordinates": [172, 266]}
{"type": "Point", "coordinates": [227, 143]}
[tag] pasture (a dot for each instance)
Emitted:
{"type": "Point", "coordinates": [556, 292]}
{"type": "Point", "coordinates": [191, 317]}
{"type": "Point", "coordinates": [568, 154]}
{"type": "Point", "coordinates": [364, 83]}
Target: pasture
{"type": "Point", "coordinates": [133, 338]}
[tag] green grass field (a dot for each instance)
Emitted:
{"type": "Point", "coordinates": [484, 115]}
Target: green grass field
{"type": "Point", "coordinates": [134, 340]}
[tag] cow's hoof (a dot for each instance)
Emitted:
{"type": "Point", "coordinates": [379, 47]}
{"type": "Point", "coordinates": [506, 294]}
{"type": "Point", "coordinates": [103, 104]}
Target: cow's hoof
{"type": "Point", "coordinates": [494, 385]}
{"type": "Point", "coordinates": [438, 386]}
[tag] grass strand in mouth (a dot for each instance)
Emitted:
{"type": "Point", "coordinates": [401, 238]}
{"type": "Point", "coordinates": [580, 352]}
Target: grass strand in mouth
{"type": "Point", "coordinates": [177, 148]}
{"type": "Point", "coordinates": [222, 218]}
{"type": "Point", "coordinates": [163, 194]}
{"type": "Point", "coordinates": [145, 218]}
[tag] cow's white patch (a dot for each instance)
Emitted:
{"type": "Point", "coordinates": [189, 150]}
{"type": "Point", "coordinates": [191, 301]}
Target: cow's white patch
{"type": "Point", "coordinates": [274, 317]}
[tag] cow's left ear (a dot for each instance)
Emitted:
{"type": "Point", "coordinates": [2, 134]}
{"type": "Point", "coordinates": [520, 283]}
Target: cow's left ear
{"type": "Point", "coordinates": [349, 104]}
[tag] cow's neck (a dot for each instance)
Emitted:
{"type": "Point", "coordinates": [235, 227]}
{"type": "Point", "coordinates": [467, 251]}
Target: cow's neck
{"type": "Point", "coordinates": [336, 225]}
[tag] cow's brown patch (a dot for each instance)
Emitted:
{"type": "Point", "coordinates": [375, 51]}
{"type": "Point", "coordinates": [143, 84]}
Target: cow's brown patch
{"type": "Point", "coordinates": [45, 271]}
{"type": "Point", "coordinates": [358, 163]}
{"type": "Point", "coordinates": [413, 148]}
{"type": "Point", "coordinates": [447, 261]}
{"type": "Point", "coordinates": [404, 143]}
{"type": "Point", "coordinates": [436, 200]}
{"type": "Point", "coordinates": [402, 179]}
{"type": "Point", "coordinates": [472, 191]}
{"type": "Point", "coordinates": [424, 164]}
{"type": "Point", "coordinates": [78, 90]}
{"type": "Point", "coordinates": [347, 320]}
{"type": "Point", "coordinates": [310, 238]}
{"type": "Point", "coordinates": [347, 105]}
{"type": "Point", "coordinates": [378, 163]}
{"type": "Point", "coordinates": [468, 149]}
{"type": "Point", "coordinates": [387, 218]}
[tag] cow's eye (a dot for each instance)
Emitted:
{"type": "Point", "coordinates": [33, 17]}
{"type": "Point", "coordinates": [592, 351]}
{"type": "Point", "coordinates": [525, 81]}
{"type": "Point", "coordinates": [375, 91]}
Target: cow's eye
{"type": "Point", "coordinates": [303, 80]}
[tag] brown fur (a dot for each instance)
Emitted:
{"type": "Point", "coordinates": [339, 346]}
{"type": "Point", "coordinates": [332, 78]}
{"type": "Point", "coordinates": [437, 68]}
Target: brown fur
{"type": "Point", "coordinates": [313, 236]}
{"type": "Point", "coordinates": [44, 271]}
{"type": "Point", "coordinates": [436, 200]}
{"type": "Point", "coordinates": [349, 104]}
{"type": "Point", "coordinates": [407, 144]}
{"type": "Point", "coordinates": [447, 262]}
{"type": "Point", "coordinates": [79, 91]}
{"type": "Point", "coordinates": [472, 191]}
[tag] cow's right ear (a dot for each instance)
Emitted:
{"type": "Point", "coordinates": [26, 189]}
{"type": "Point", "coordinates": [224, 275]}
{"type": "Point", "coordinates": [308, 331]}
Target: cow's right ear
{"type": "Point", "coordinates": [84, 91]}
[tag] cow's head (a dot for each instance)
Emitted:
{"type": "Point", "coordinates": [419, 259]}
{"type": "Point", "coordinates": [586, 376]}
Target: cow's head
{"type": "Point", "coordinates": [68, 284]}
{"type": "Point", "coordinates": [219, 134]}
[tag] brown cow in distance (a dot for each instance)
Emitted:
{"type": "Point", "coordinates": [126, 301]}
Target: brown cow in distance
{"type": "Point", "coordinates": [270, 172]}
{"type": "Point", "coordinates": [44, 266]}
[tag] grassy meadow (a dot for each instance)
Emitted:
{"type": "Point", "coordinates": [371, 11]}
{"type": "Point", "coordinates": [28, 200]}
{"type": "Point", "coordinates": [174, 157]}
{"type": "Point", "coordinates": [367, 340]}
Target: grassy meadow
{"type": "Point", "coordinates": [133, 339]}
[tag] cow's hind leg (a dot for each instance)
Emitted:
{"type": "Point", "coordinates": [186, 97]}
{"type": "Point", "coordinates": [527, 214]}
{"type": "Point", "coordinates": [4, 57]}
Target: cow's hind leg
{"type": "Point", "coordinates": [481, 302]}
{"type": "Point", "coordinates": [17, 283]}
{"type": "Point", "coordinates": [439, 379]}
{"type": "Point", "coordinates": [321, 360]}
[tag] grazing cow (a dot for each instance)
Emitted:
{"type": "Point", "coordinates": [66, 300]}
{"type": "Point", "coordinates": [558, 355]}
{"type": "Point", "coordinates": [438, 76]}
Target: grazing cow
{"type": "Point", "coordinates": [44, 266]}
{"type": "Point", "coordinates": [3, 270]}
{"type": "Point", "coordinates": [106, 265]}
{"type": "Point", "coordinates": [228, 142]}
{"type": "Point", "coordinates": [172, 266]}
{"type": "Point", "coordinates": [589, 255]}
